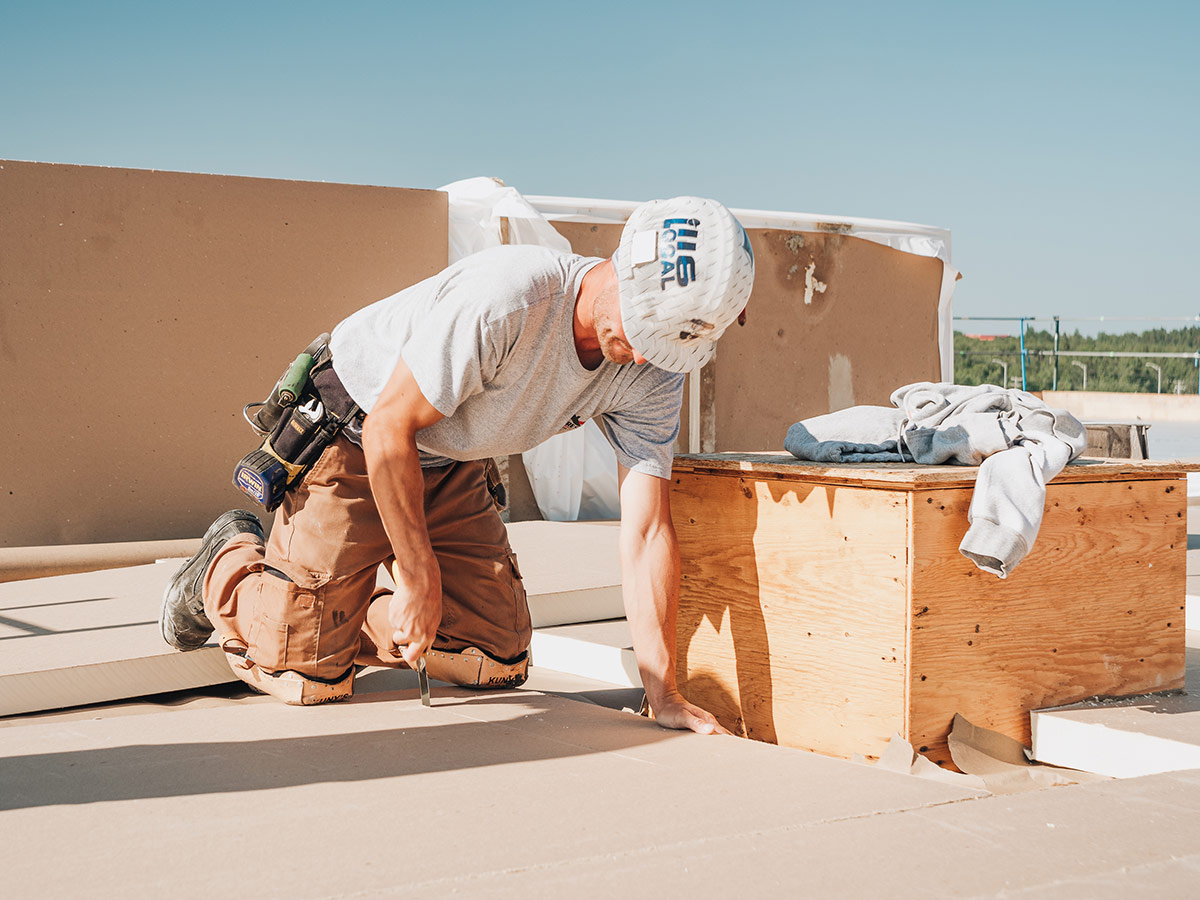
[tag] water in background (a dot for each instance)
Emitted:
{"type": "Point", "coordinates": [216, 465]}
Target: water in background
{"type": "Point", "coordinates": [1174, 440]}
{"type": "Point", "coordinates": [1177, 440]}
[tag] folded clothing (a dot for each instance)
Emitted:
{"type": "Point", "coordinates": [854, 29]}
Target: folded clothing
{"type": "Point", "coordinates": [1018, 442]}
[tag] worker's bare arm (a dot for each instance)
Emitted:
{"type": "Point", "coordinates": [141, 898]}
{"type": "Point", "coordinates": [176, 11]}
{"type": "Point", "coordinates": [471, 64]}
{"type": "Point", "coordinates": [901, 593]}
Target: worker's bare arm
{"type": "Point", "coordinates": [393, 465]}
{"type": "Point", "coordinates": [650, 587]}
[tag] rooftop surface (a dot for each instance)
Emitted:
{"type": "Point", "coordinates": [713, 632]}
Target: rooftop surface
{"type": "Point", "coordinates": [542, 791]}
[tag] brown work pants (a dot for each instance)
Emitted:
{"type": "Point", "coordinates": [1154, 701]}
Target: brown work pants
{"type": "Point", "coordinates": [307, 602]}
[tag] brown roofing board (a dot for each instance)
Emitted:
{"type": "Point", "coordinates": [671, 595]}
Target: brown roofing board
{"type": "Point", "coordinates": [142, 310]}
{"type": "Point", "coordinates": [88, 638]}
{"type": "Point", "coordinates": [518, 794]}
{"type": "Point", "coordinates": [834, 321]}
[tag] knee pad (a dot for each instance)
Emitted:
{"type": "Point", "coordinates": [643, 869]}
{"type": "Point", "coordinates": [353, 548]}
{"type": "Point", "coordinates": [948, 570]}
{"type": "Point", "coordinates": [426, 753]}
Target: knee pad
{"type": "Point", "coordinates": [471, 667]}
{"type": "Point", "coordinates": [291, 687]}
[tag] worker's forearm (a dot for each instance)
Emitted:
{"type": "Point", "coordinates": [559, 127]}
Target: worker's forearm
{"type": "Point", "coordinates": [650, 586]}
{"type": "Point", "coordinates": [394, 469]}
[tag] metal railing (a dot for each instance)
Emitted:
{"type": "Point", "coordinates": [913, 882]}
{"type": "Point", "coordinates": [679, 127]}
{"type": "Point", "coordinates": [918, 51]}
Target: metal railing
{"type": "Point", "coordinates": [1025, 352]}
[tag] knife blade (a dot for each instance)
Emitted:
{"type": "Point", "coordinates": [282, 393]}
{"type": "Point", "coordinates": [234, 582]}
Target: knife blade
{"type": "Point", "coordinates": [423, 680]}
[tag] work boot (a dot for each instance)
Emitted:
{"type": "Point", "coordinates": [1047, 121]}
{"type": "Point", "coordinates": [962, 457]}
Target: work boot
{"type": "Point", "coordinates": [184, 624]}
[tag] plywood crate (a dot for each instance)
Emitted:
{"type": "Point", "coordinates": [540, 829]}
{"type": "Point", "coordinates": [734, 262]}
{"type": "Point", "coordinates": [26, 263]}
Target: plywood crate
{"type": "Point", "coordinates": [828, 607]}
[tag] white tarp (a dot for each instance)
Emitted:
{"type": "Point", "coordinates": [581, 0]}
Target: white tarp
{"type": "Point", "coordinates": [574, 474]}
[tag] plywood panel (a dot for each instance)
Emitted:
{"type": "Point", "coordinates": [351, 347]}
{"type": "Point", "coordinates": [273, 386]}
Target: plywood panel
{"type": "Point", "coordinates": [792, 613]}
{"type": "Point", "coordinates": [804, 352]}
{"type": "Point", "coordinates": [781, 465]}
{"type": "Point", "coordinates": [1096, 608]}
{"type": "Point", "coordinates": [140, 310]}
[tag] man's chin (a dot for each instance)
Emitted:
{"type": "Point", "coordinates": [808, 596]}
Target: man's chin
{"type": "Point", "coordinates": [614, 355]}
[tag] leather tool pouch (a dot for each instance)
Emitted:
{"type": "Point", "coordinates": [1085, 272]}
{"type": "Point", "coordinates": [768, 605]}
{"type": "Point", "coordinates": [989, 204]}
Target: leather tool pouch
{"type": "Point", "coordinates": [297, 440]}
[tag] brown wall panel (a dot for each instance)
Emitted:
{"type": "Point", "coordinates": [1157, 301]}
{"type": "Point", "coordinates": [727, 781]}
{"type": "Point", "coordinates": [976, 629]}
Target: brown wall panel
{"type": "Point", "coordinates": [140, 310]}
{"type": "Point", "coordinates": [872, 329]}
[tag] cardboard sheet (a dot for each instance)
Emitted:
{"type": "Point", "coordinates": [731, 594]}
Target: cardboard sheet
{"type": "Point", "coordinates": [987, 761]}
{"type": "Point", "coordinates": [1002, 764]}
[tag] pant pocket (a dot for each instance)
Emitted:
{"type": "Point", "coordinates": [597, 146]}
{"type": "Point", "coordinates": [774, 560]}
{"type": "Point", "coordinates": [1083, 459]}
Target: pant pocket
{"type": "Point", "coordinates": [287, 621]}
{"type": "Point", "coordinates": [522, 624]}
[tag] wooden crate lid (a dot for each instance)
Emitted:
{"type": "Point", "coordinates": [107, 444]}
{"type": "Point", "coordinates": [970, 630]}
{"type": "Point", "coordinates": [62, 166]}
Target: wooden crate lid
{"type": "Point", "coordinates": [911, 476]}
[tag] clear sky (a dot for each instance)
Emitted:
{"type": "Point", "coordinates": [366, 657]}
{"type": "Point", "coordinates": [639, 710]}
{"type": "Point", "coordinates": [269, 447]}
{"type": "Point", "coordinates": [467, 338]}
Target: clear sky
{"type": "Point", "coordinates": [1057, 140]}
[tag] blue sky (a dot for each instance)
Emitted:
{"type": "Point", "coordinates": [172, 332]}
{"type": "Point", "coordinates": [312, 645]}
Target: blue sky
{"type": "Point", "coordinates": [1058, 141]}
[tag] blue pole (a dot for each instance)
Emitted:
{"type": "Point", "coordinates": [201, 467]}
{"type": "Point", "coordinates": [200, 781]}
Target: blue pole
{"type": "Point", "coordinates": [1024, 383]}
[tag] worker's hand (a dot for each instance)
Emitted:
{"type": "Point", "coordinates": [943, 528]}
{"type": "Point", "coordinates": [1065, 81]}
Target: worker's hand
{"type": "Point", "coordinates": [415, 610]}
{"type": "Point", "coordinates": [676, 712]}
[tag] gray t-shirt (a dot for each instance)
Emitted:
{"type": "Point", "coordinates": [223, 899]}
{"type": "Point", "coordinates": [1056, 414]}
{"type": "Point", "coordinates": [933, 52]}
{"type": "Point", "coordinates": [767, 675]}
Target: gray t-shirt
{"type": "Point", "coordinates": [490, 342]}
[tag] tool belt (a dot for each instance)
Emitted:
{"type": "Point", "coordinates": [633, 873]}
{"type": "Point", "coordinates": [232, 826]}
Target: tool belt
{"type": "Point", "coordinates": [306, 410]}
{"type": "Point", "coordinates": [308, 407]}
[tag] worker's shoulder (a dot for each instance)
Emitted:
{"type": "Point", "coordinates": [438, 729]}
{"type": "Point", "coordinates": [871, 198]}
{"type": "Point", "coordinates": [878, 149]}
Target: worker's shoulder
{"type": "Point", "coordinates": [517, 258]}
{"type": "Point", "coordinates": [514, 276]}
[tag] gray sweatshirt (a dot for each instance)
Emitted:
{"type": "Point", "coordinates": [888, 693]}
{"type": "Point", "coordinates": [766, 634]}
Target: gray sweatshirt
{"type": "Point", "coordinates": [1018, 442]}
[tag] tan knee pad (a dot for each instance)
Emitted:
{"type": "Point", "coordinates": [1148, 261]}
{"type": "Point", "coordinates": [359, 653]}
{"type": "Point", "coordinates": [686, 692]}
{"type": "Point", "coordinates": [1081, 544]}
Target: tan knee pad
{"type": "Point", "coordinates": [472, 667]}
{"type": "Point", "coordinates": [291, 687]}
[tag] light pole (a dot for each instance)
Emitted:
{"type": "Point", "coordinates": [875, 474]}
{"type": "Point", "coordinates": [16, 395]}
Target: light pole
{"type": "Point", "coordinates": [1157, 369]}
{"type": "Point", "coordinates": [1004, 380]}
{"type": "Point", "coordinates": [1084, 367]}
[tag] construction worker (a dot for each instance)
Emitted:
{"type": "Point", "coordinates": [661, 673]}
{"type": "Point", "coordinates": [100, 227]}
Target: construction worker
{"type": "Point", "coordinates": [495, 354]}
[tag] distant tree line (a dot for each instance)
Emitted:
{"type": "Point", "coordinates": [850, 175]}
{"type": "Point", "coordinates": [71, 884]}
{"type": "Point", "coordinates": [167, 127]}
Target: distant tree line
{"type": "Point", "coordinates": [976, 358]}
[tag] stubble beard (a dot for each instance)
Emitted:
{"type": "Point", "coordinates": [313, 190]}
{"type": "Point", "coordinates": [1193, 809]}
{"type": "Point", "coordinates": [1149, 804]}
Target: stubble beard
{"type": "Point", "coordinates": [611, 347]}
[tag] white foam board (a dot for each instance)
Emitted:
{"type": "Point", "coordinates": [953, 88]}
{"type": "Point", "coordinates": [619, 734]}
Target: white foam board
{"type": "Point", "coordinates": [599, 650]}
{"type": "Point", "coordinates": [1121, 738]}
{"type": "Point", "coordinates": [571, 570]}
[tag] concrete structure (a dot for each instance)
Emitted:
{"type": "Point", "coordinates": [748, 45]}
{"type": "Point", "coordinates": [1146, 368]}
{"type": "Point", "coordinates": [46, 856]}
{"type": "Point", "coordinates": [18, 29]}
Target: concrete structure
{"type": "Point", "coordinates": [1108, 406]}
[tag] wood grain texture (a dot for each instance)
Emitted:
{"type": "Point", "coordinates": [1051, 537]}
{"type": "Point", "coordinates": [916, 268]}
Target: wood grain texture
{"type": "Point", "coordinates": [1095, 609]}
{"type": "Point", "coordinates": [793, 610]}
{"type": "Point", "coordinates": [901, 476]}
{"type": "Point", "coordinates": [875, 313]}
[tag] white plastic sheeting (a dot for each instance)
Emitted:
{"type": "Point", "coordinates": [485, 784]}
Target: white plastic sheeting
{"type": "Point", "coordinates": [574, 474]}
{"type": "Point", "coordinates": [478, 206]}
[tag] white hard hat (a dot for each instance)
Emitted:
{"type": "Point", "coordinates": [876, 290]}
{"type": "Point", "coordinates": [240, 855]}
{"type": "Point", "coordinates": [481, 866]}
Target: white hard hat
{"type": "Point", "coordinates": [684, 272]}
